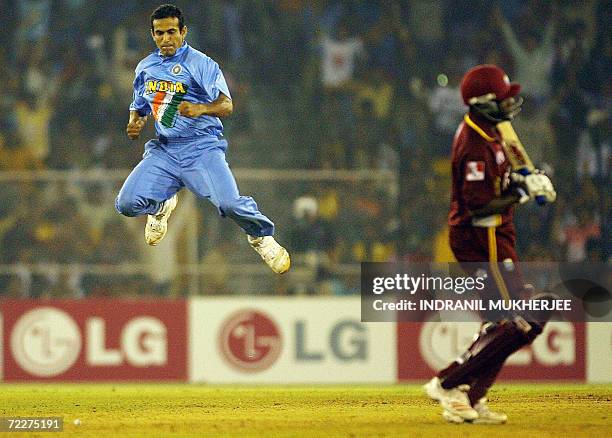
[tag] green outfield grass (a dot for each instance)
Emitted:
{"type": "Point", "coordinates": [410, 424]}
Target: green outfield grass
{"type": "Point", "coordinates": [148, 410]}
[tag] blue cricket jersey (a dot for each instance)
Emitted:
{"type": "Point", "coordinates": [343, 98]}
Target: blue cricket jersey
{"type": "Point", "coordinates": [162, 83]}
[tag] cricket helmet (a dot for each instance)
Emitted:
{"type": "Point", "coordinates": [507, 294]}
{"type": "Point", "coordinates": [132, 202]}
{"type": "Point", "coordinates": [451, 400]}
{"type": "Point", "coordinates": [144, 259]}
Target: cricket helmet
{"type": "Point", "coordinates": [489, 82]}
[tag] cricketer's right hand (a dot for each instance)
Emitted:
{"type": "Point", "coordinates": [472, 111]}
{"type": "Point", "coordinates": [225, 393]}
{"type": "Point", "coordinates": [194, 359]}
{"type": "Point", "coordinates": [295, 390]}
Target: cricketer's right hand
{"type": "Point", "coordinates": [135, 126]}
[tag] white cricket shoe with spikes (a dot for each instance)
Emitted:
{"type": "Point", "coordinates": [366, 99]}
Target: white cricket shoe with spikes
{"type": "Point", "coordinates": [157, 224]}
{"type": "Point", "coordinates": [454, 401]}
{"type": "Point", "coordinates": [486, 416]}
{"type": "Point", "coordinates": [275, 256]}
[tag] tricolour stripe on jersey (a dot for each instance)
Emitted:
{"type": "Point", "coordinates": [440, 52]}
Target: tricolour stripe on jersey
{"type": "Point", "coordinates": [159, 104]}
{"type": "Point", "coordinates": [165, 105]}
{"type": "Point", "coordinates": [170, 110]}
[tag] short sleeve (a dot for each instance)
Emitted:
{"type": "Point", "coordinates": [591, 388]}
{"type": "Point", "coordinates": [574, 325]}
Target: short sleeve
{"type": "Point", "coordinates": [208, 75]}
{"type": "Point", "coordinates": [478, 173]}
{"type": "Point", "coordinates": [139, 103]}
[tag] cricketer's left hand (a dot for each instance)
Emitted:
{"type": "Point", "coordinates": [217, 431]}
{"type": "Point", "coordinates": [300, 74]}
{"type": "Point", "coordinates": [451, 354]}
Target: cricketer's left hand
{"type": "Point", "coordinates": [189, 109]}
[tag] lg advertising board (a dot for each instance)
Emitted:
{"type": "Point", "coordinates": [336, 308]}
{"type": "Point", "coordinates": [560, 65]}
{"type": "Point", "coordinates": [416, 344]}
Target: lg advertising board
{"type": "Point", "coordinates": [90, 340]}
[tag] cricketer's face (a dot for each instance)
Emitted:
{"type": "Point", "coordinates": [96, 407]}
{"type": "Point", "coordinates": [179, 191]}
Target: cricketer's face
{"type": "Point", "coordinates": [167, 35]}
{"type": "Point", "coordinates": [507, 103]}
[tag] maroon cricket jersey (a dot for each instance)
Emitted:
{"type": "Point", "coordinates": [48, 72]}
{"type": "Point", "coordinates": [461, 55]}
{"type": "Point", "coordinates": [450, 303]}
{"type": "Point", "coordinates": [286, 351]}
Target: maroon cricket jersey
{"type": "Point", "coordinates": [480, 172]}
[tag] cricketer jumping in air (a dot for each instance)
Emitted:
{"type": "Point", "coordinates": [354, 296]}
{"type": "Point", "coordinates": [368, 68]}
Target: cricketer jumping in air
{"type": "Point", "coordinates": [185, 92]}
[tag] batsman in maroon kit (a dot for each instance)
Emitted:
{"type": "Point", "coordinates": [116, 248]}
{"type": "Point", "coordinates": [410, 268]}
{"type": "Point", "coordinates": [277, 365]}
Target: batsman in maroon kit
{"type": "Point", "coordinates": [484, 193]}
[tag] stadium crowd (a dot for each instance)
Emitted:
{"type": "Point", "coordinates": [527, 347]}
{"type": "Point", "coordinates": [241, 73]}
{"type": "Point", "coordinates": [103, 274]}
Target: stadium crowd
{"type": "Point", "coordinates": [326, 84]}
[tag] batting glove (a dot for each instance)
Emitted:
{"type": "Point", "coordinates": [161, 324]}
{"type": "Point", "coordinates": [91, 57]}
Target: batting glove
{"type": "Point", "coordinates": [539, 184]}
{"type": "Point", "coordinates": [536, 184]}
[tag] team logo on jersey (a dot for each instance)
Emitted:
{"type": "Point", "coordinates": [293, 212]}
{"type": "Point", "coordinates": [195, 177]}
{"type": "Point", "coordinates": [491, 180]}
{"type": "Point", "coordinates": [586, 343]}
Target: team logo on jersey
{"type": "Point", "coordinates": [167, 97]}
{"type": "Point", "coordinates": [176, 69]}
{"type": "Point", "coordinates": [475, 171]}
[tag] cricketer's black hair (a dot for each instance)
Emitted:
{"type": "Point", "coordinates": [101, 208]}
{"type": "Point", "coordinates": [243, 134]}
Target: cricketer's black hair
{"type": "Point", "coordinates": [168, 11]}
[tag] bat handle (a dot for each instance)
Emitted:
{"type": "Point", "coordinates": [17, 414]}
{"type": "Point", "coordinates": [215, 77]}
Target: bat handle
{"type": "Point", "coordinates": [541, 200]}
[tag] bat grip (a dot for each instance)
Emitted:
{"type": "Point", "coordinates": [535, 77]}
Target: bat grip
{"type": "Point", "coordinates": [541, 200]}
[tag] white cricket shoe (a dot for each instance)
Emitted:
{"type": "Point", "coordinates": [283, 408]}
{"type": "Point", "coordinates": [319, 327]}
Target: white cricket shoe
{"type": "Point", "coordinates": [454, 401]}
{"type": "Point", "coordinates": [157, 224]}
{"type": "Point", "coordinates": [275, 256]}
{"type": "Point", "coordinates": [485, 416]}
{"type": "Point", "coordinates": [452, 418]}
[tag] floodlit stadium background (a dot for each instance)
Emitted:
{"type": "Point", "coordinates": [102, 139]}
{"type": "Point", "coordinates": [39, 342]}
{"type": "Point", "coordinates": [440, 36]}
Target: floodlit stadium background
{"type": "Point", "coordinates": [348, 155]}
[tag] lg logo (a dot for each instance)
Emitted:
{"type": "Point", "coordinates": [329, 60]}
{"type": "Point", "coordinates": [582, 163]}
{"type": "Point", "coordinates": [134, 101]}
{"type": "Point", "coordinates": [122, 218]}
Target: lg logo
{"type": "Point", "coordinates": [143, 342]}
{"type": "Point", "coordinates": [442, 342]}
{"type": "Point", "coordinates": [47, 342]}
{"type": "Point", "coordinates": [250, 341]}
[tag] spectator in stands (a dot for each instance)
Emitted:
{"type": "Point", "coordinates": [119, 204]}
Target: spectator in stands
{"type": "Point", "coordinates": [340, 54]}
{"type": "Point", "coordinates": [532, 58]}
{"type": "Point", "coordinates": [576, 233]}
{"type": "Point", "coordinates": [447, 109]}
{"type": "Point", "coordinates": [313, 242]}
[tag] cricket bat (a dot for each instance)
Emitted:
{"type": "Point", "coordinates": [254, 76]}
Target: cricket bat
{"type": "Point", "coordinates": [516, 153]}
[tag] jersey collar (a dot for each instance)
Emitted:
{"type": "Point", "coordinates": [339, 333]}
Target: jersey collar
{"type": "Point", "coordinates": [481, 131]}
{"type": "Point", "coordinates": [178, 53]}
